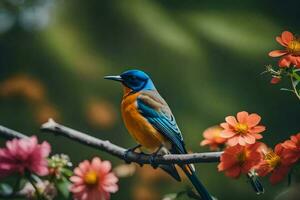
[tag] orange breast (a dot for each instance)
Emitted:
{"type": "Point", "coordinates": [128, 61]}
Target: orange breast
{"type": "Point", "coordinates": [138, 127]}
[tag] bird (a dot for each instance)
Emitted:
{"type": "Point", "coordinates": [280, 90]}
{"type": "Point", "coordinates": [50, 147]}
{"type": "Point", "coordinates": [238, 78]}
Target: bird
{"type": "Point", "coordinates": [149, 120]}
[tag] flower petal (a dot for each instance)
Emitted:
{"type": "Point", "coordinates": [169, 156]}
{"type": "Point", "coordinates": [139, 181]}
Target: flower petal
{"type": "Point", "coordinates": [257, 129]}
{"type": "Point", "coordinates": [227, 134]}
{"type": "Point", "coordinates": [96, 164]}
{"type": "Point", "coordinates": [242, 141]}
{"type": "Point", "coordinates": [253, 120]}
{"type": "Point", "coordinates": [76, 179]}
{"type": "Point", "coordinates": [279, 40]}
{"type": "Point", "coordinates": [279, 174]}
{"type": "Point", "coordinates": [77, 188]}
{"type": "Point", "coordinates": [225, 125]}
{"type": "Point", "coordinates": [233, 172]}
{"type": "Point", "coordinates": [277, 53]}
{"type": "Point", "coordinates": [286, 37]}
{"type": "Point", "coordinates": [84, 166]}
{"type": "Point", "coordinates": [249, 139]}
{"type": "Point", "coordinates": [78, 172]}
{"type": "Point", "coordinates": [233, 141]}
{"type": "Point", "coordinates": [105, 166]}
{"type": "Point", "coordinates": [284, 62]}
{"type": "Point", "coordinates": [205, 142]}
{"type": "Point", "coordinates": [257, 136]}
{"type": "Point", "coordinates": [298, 62]}
{"type": "Point", "coordinates": [242, 117]}
{"type": "Point", "coordinates": [227, 161]}
{"type": "Point", "coordinates": [231, 120]}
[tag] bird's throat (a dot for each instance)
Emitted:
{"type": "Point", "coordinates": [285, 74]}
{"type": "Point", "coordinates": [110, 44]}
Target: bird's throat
{"type": "Point", "coordinates": [126, 90]}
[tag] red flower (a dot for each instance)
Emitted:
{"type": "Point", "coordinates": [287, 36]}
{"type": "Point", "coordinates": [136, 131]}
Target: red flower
{"type": "Point", "coordinates": [292, 147]}
{"type": "Point", "coordinates": [291, 54]}
{"type": "Point", "coordinates": [239, 159]}
{"type": "Point", "coordinates": [243, 130]}
{"type": "Point", "coordinates": [24, 154]}
{"type": "Point", "coordinates": [213, 137]}
{"type": "Point", "coordinates": [274, 162]}
{"type": "Point", "coordinates": [93, 180]}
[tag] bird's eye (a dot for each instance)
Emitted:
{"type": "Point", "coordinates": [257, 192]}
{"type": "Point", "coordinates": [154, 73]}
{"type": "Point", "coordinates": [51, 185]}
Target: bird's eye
{"type": "Point", "coordinates": [133, 77]}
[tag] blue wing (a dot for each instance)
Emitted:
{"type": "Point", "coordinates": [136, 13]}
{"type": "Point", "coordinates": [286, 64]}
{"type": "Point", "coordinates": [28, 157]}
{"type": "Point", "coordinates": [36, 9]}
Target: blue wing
{"type": "Point", "coordinates": [153, 107]}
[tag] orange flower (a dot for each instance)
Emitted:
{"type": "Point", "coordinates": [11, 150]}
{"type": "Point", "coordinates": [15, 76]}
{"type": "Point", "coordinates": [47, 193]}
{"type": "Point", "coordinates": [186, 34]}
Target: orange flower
{"type": "Point", "coordinates": [274, 162]}
{"type": "Point", "coordinates": [292, 147]}
{"type": "Point", "coordinates": [239, 159]}
{"type": "Point", "coordinates": [243, 130]}
{"type": "Point", "coordinates": [213, 137]}
{"type": "Point", "coordinates": [291, 53]}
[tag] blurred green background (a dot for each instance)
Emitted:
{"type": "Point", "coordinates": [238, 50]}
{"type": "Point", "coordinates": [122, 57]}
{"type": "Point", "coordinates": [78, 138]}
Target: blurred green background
{"type": "Point", "coordinates": [204, 56]}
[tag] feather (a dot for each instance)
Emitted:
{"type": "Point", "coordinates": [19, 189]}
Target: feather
{"type": "Point", "coordinates": [154, 108]}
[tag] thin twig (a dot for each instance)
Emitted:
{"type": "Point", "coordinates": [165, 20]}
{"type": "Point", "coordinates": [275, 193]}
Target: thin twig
{"type": "Point", "coordinates": [294, 88]}
{"type": "Point", "coordinates": [37, 191]}
{"type": "Point", "coordinates": [10, 134]}
{"type": "Point", "coordinates": [120, 152]}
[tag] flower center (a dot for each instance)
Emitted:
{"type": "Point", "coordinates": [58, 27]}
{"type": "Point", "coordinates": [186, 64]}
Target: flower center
{"type": "Point", "coordinates": [217, 133]}
{"type": "Point", "coordinates": [91, 178]}
{"type": "Point", "coordinates": [241, 128]}
{"type": "Point", "coordinates": [241, 157]}
{"type": "Point", "coordinates": [272, 159]}
{"type": "Point", "coordinates": [294, 47]}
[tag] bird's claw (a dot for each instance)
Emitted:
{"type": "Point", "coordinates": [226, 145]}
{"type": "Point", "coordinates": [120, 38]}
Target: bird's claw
{"type": "Point", "coordinates": [152, 161]}
{"type": "Point", "coordinates": [130, 150]}
{"type": "Point", "coordinates": [127, 161]}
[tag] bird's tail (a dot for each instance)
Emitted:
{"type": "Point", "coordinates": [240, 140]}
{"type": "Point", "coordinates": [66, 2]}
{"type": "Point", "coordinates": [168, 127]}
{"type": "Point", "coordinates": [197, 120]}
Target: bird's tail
{"type": "Point", "coordinates": [255, 182]}
{"type": "Point", "coordinates": [171, 170]}
{"type": "Point", "coordinates": [190, 173]}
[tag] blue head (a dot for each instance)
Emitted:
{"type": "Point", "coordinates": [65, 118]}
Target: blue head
{"type": "Point", "coordinates": [136, 80]}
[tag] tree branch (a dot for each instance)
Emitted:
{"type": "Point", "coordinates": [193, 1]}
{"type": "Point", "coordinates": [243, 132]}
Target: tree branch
{"type": "Point", "coordinates": [10, 134]}
{"type": "Point", "coordinates": [120, 152]}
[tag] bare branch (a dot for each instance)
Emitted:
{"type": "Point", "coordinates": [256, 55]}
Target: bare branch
{"type": "Point", "coordinates": [120, 152]}
{"type": "Point", "coordinates": [10, 134]}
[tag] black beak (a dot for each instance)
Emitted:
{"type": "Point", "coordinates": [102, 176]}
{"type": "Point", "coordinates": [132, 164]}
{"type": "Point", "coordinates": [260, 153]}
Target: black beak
{"type": "Point", "coordinates": [114, 78]}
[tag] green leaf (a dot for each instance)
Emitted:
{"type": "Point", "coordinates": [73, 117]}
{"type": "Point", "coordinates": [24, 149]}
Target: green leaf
{"type": "Point", "coordinates": [5, 189]}
{"type": "Point", "coordinates": [296, 70]}
{"type": "Point", "coordinates": [66, 172]}
{"type": "Point", "coordinates": [296, 76]}
{"type": "Point", "coordinates": [287, 90]}
{"type": "Point", "coordinates": [62, 186]}
{"type": "Point", "coordinates": [295, 83]}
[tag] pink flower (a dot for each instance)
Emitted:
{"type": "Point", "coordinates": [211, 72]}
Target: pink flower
{"type": "Point", "coordinates": [24, 154]}
{"type": "Point", "coordinates": [291, 53]}
{"type": "Point", "coordinates": [242, 130]}
{"type": "Point", "coordinates": [93, 180]}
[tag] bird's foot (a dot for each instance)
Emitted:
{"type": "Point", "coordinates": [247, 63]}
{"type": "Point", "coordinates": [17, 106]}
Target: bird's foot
{"type": "Point", "coordinates": [152, 160]}
{"type": "Point", "coordinates": [152, 157]}
{"type": "Point", "coordinates": [126, 159]}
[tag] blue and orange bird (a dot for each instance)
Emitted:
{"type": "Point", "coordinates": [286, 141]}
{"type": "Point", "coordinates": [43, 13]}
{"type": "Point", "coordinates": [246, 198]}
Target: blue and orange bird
{"type": "Point", "coordinates": [151, 123]}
